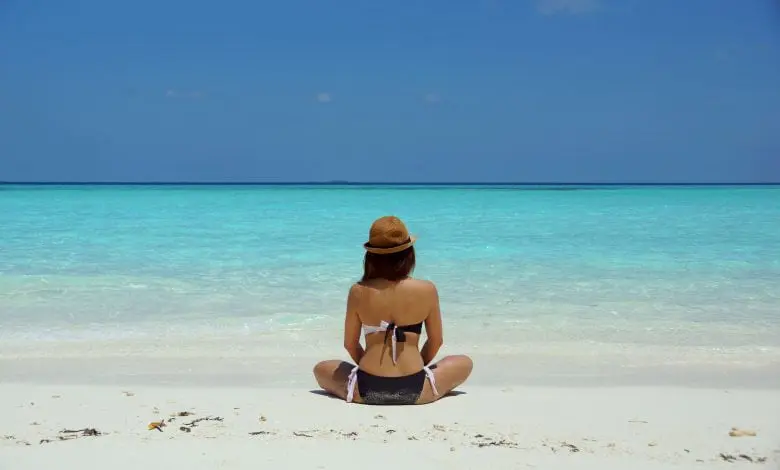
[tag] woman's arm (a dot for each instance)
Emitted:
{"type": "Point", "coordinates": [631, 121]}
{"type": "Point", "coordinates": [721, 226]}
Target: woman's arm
{"type": "Point", "coordinates": [352, 327]}
{"type": "Point", "coordinates": [433, 330]}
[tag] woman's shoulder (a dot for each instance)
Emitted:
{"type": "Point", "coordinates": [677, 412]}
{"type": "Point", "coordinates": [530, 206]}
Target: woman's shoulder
{"type": "Point", "coordinates": [421, 285]}
{"type": "Point", "coordinates": [424, 283]}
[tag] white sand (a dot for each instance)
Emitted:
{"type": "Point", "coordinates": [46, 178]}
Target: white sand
{"type": "Point", "coordinates": [626, 410]}
{"type": "Point", "coordinates": [612, 428]}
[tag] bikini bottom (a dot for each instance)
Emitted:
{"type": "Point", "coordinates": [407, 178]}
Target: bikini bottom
{"type": "Point", "coordinates": [377, 390]}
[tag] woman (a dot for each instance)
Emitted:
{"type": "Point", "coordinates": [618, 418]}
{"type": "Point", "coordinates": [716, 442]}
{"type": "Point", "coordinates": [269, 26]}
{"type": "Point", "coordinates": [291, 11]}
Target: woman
{"type": "Point", "coordinates": [391, 308]}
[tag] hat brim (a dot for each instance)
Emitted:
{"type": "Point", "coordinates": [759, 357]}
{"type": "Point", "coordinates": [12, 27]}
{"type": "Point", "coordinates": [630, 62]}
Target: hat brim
{"type": "Point", "coordinates": [392, 249]}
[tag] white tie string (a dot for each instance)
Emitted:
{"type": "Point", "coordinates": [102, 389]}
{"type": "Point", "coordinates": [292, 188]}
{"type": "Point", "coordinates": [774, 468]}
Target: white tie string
{"type": "Point", "coordinates": [431, 379]}
{"type": "Point", "coordinates": [351, 382]}
{"type": "Point", "coordinates": [393, 341]}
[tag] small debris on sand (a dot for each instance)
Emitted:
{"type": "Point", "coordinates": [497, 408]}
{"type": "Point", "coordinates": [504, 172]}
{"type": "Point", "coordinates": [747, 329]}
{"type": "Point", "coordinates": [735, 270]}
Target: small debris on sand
{"type": "Point", "coordinates": [349, 435]}
{"type": "Point", "coordinates": [194, 422]}
{"type": "Point", "coordinates": [128, 394]}
{"type": "Point", "coordinates": [185, 429]}
{"type": "Point", "coordinates": [571, 447]}
{"type": "Point", "coordinates": [263, 419]}
{"type": "Point", "coordinates": [736, 432]}
{"type": "Point", "coordinates": [485, 441]}
{"type": "Point", "coordinates": [301, 434]}
{"type": "Point", "coordinates": [158, 425]}
{"type": "Point", "coordinates": [261, 433]}
{"type": "Point", "coordinates": [379, 417]}
{"type": "Point", "coordinates": [439, 427]}
{"type": "Point", "coordinates": [70, 434]}
{"type": "Point", "coordinates": [500, 443]}
{"type": "Point", "coordinates": [732, 458]}
{"type": "Point", "coordinates": [83, 432]}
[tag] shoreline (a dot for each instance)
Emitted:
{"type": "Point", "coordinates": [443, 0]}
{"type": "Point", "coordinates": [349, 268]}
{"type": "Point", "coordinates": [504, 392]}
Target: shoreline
{"type": "Point", "coordinates": [286, 360]}
{"type": "Point", "coordinates": [295, 372]}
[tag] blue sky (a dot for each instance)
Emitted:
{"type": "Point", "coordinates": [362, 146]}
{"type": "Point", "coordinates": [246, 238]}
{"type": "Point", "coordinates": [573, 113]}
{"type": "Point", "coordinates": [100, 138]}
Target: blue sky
{"type": "Point", "coordinates": [434, 90]}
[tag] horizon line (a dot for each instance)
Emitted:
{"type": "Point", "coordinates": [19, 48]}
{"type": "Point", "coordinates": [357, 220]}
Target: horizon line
{"type": "Point", "coordinates": [374, 183]}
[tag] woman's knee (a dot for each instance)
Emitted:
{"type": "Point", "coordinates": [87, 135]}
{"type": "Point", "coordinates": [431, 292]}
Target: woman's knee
{"type": "Point", "coordinates": [461, 361]}
{"type": "Point", "coordinates": [467, 362]}
{"type": "Point", "coordinates": [331, 370]}
{"type": "Point", "coordinates": [459, 368]}
{"type": "Point", "coordinates": [321, 369]}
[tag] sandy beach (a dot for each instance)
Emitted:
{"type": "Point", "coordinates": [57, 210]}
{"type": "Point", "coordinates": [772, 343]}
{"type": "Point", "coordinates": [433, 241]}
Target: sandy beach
{"type": "Point", "coordinates": [234, 425]}
{"type": "Point", "coordinates": [610, 329]}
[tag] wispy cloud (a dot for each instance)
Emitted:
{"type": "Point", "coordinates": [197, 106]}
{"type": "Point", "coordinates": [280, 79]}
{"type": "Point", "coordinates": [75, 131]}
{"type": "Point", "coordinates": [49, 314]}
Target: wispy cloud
{"type": "Point", "coordinates": [324, 97]}
{"type": "Point", "coordinates": [173, 93]}
{"type": "Point", "coordinates": [566, 7]}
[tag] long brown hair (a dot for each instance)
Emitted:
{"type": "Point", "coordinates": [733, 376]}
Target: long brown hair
{"type": "Point", "coordinates": [392, 267]}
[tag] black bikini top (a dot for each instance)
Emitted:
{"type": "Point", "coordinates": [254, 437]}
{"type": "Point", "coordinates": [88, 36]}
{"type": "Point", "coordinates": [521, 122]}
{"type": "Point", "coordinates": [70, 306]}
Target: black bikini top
{"type": "Point", "coordinates": [393, 329]}
{"type": "Point", "coordinates": [400, 331]}
{"type": "Point", "coordinates": [394, 332]}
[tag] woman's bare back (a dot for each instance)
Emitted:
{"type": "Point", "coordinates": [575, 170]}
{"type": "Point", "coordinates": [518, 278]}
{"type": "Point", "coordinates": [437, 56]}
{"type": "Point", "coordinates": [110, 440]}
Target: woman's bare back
{"type": "Point", "coordinates": [403, 303]}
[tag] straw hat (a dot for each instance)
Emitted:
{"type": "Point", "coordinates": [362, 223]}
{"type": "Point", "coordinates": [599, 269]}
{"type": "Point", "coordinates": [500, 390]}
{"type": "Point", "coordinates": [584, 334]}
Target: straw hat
{"type": "Point", "coordinates": [388, 235]}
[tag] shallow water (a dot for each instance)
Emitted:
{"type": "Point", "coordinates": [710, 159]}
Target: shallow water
{"type": "Point", "coordinates": [595, 269]}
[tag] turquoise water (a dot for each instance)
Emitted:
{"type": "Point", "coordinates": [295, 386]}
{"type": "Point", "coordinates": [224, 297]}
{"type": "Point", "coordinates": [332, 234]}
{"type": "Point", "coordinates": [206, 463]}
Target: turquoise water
{"type": "Point", "coordinates": [643, 265]}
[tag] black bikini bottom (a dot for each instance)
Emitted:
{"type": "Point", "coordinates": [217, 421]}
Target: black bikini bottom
{"type": "Point", "coordinates": [376, 390]}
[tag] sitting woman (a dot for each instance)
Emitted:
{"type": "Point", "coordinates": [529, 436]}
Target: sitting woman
{"type": "Point", "coordinates": [391, 307]}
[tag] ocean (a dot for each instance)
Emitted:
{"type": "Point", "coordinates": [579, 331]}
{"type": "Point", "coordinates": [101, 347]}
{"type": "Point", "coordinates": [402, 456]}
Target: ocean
{"type": "Point", "coordinates": [684, 272]}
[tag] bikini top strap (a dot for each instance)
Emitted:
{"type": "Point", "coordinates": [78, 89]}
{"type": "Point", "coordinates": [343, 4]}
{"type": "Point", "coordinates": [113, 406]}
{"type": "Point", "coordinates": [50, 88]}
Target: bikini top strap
{"type": "Point", "coordinates": [392, 331]}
